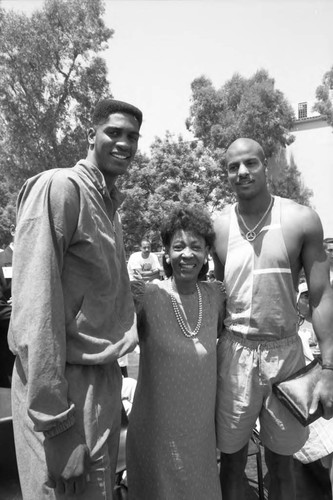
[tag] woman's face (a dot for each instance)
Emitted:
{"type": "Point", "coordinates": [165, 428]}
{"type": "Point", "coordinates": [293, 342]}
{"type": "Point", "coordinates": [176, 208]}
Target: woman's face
{"type": "Point", "coordinates": [187, 254]}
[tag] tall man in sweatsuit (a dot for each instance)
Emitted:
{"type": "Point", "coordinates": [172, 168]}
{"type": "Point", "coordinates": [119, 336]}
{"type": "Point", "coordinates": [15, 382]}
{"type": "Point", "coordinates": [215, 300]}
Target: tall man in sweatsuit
{"type": "Point", "coordinates": [73, 316]}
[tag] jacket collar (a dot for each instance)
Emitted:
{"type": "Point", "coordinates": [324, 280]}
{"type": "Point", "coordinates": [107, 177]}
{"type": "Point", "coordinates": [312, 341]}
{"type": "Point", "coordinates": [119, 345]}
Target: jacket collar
{"type": "Point", "coordinates": [97, 178]}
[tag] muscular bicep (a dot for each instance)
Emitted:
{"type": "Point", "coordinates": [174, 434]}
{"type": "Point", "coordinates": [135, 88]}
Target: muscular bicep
{"type": "Point", "coordinates": [314, 259]}
{"type": "Point", "coordinates": [219, 250]}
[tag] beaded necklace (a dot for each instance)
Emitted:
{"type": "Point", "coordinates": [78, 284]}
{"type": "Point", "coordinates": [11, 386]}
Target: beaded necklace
{"type": "Point", "coordinates": [188, 333]}
{"type": "Point", "coordinates": [251, 233]}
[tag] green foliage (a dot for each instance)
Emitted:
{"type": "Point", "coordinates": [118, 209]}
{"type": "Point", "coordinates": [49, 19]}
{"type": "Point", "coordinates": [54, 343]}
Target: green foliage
{"type": "Point", "coordinates": [288, 184]}
{"type": "Point", "coordinates": [242, 107]}
{"type": "Point", "coordinates": [178, 171]}
{"type": "Point", "coordinates": [50, 79]}
{"type": "Point", "coordinates": [324, 95]}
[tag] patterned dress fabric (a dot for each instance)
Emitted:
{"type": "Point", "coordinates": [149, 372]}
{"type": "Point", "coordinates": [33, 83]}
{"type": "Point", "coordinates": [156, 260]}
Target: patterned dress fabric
{"type": "Point", "coordinates": [171, 444]}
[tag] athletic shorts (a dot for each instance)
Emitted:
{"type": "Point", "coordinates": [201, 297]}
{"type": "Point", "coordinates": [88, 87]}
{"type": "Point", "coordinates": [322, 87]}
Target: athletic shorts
{"type": "Point", "coordinates": [246, 371]}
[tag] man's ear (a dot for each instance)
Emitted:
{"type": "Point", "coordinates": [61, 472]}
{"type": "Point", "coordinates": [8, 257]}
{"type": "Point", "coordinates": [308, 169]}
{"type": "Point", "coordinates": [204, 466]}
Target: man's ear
{"type": "Point", "coordinates": [91, 136]}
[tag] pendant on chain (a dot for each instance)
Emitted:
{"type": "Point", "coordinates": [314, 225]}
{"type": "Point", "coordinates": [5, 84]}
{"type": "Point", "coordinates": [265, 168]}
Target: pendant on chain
{"type": "Point", "coordinates": [250, 236]}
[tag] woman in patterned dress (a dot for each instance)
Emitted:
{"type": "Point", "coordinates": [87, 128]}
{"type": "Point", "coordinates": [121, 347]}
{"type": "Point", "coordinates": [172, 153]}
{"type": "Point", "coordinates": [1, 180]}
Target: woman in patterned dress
{"type": "Point", "coordinates": [171, 448]}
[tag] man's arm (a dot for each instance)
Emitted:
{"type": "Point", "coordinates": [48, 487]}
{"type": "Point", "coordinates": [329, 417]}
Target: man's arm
{"type": "Point", "coordinates": [125, 345]}
{"type": "Point", "coordinates": [316, 269]}
{"type": "Point", "coordinates": [47, 220]}
{"type": "Point", "coordinates": [219, 250]}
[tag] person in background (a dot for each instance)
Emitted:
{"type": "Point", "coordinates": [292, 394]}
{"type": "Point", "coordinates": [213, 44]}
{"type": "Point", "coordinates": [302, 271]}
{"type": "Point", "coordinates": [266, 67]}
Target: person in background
{"type": "Point", "coordinates": [211, 276]}
{"type": "Point", "coordinates": [6, 357]}
{"type": "Point", "coordinates": [317, 452]}
{"type": "Point", "coordinates": [310, 342]}
{"type": "Point", "coordinates": [73, 316]}
{"type": "Point", "coordinates": [127, 393]}
{"type": "Point", "coordinates": [123, 363]}
{"type": "Point", "coordinates": [171, 443]}
{"type": "Point", "coordinates": [328, 245]}
{"type": "Point", "coordinates": [144, 264]}
{"type": "Point", "coordinates": [262, 243]}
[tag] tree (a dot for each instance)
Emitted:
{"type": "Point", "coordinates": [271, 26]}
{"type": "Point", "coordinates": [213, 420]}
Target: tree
{"type": "Point", "coordinates": [50, 78]}
{"type": "Point", "coordinates": [324, 95]}
{"type": "Point", "coordinates": [186, 171]}
{"type": "Point", "coordinates": [286, 181]}
{"type": "Point", "coordinates": [241, 108]}
{"type": "Point", "coordinates": [7, 211]}
{"type": "Point", "coordinates": [178, 171]}
{"type": "Point", "coordinates": [247, 108]}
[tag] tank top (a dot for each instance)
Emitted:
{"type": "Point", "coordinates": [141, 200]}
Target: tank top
{"type": "Point", "coordinates": [261, 295]}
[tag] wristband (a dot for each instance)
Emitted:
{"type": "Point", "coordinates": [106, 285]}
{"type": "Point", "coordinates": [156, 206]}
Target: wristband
{"type": "Point", "coordinates": [327, 367]}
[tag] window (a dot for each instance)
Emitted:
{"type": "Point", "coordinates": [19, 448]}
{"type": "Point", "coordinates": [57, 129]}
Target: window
{"type": "Point", "coordinates": [302, 110]}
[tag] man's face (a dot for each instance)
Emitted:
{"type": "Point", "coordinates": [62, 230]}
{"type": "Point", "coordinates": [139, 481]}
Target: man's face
{"type": "Point", "coordinates": [145, 249]}
{"type": "Point", "coordinates": [246, 170]}
{"type": "Point", "coordinates": [115, 143]}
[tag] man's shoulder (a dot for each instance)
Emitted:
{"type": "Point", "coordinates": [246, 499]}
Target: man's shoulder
{"type": "Point", "coordinates": [53, 188]}
{"type": "Point", "coordinates": [154, 256]}
{"type": "Point", "coordinates": [289, 204]}
{"type": "Point", "coordinates": [301, 226]}
{"type": "Point", "coordinates": [134, 256]}
{"type": "Point", "coordinates": [221, 220]}
{"type": "Point", "coordinates": [301, 216]}
{"type": "Point", "coordinates": [54, 176]}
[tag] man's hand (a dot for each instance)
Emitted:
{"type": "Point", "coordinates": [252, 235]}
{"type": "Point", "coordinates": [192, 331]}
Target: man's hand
{"type": "Point", "coordinates": [324, 393]}
{"type": "Point", "coordinates": [126, 344]}
{"type": "Point", "coordinates": [67, 460]}
{"type": "Point", "coordinates": [130, 339]}
{"type": "Point", "coordinates": [137, 274]}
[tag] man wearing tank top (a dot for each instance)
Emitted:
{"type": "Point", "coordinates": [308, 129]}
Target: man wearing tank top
{"type": "Point", "coordinates": [262, 243]}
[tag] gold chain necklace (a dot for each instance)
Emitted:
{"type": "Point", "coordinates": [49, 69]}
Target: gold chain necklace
{"type": "Point", "coordinates": [251, 233]}
{"type": "Point", "coordinates": [188, 333]}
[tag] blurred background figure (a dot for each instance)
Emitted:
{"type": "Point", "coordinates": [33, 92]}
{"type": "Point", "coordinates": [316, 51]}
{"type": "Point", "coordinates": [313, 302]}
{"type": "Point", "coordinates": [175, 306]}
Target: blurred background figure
{"type": "Point", "coordinates": [314, 461]}
{"type": "Point", "coordinates": [144, 264]}
{"type": "Point", "coordinates": [328, 245]}
{"type": "Point", "coordinates": [211, 276]}
{"type": "Point", "coordinates": [306, 332]}
{"type": "Point", "coordinates": [123, 363]}
{"type": "Point", "coordinates": [6, 357]}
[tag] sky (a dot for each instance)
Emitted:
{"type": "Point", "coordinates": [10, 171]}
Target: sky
{"type": "Point", "coordinates": [160, 46]}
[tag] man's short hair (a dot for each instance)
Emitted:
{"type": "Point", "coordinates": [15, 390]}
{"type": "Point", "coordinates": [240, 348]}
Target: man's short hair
{"type": "Point", "coordinates": [107, 107]}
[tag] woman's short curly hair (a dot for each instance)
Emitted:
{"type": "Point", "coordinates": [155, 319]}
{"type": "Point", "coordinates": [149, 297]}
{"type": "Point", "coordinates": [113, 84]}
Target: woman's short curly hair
{"type": "Point", "coordinates": [194, 218]}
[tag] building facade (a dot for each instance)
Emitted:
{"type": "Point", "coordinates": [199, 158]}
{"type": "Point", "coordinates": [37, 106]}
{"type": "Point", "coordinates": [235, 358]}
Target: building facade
{"type": "Point", "coordinates": [312, 152]}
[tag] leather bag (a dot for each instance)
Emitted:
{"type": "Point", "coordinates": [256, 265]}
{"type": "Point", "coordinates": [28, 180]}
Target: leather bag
{"type": "Point", "coordinates": [296, 392]}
